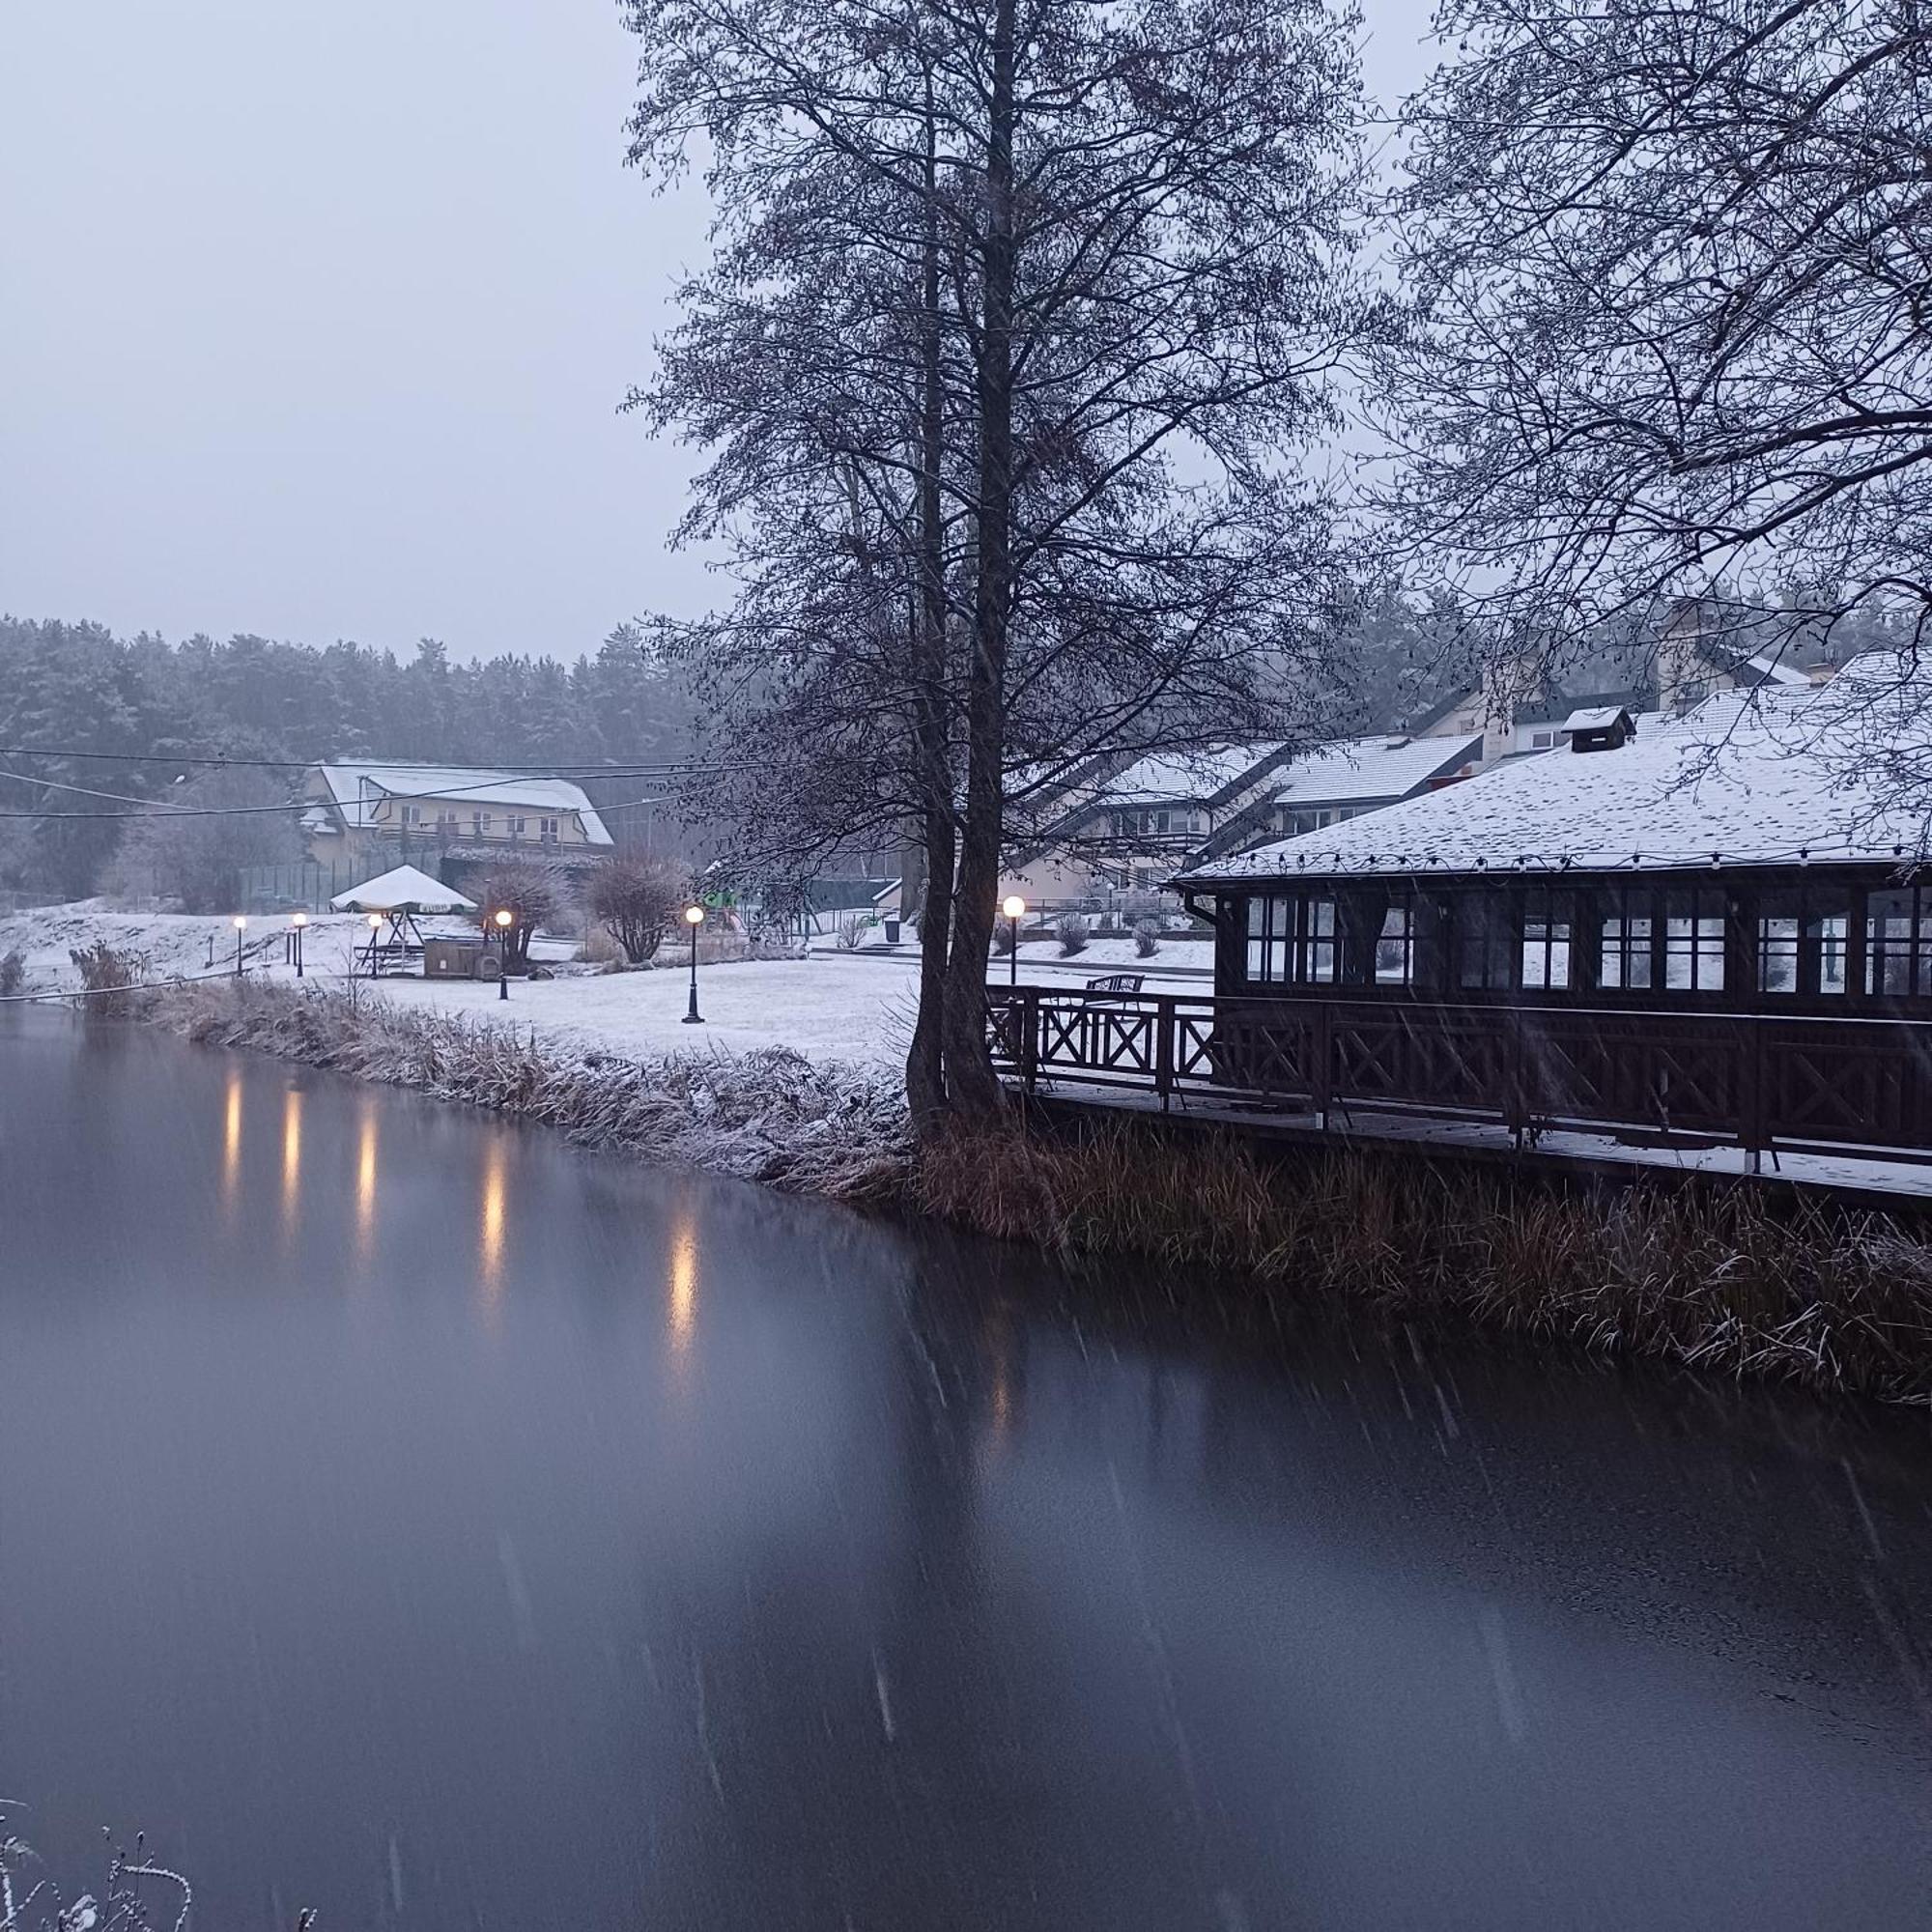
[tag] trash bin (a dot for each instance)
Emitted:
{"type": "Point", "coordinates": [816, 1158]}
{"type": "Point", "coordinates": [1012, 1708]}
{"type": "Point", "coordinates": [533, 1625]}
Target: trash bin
{"type": "Point", "coordinates": [891, 932]}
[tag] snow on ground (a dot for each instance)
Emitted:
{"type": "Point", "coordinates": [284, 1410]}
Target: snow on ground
{"type": "Point", "coordinates": [854, 1006]}
{"type": "Point", "coordinates": [826, 1007]}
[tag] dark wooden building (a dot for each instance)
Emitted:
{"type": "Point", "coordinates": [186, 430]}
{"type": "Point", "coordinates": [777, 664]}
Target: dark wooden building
{"type": "Point", "coordinates": [1713, 932]}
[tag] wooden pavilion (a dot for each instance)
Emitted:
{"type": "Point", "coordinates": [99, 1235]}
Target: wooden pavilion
{"type": "Point", "coordinates": [1713, 929]}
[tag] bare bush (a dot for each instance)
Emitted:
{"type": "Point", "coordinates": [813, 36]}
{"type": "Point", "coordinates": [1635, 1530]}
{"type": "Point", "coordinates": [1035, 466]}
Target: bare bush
{"type": "Point", "coordinates": [108, 979]}
{"type": "Point", "coordinates": [1070, 928]}
{"type": "Point", "coordinates": [1147, 938]}
{"type": "Point", "coordinates": [1005, 936]}
{"type": "Point", "coordinates": [530, 891]}
{"type": "Point", "coordinates": [638, 901]}
{"type": "Point", "coordinates": [13, 972]}
{"type": "Point", "coordinates": [852, 932]}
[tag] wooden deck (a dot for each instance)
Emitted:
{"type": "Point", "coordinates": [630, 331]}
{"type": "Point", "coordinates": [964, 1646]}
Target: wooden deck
{"type": "Point", "coordinates": [1722, 1091]}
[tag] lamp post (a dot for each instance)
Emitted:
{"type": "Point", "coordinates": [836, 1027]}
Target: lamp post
{"type": "Point", "coordinates": [505, 919]}
{"type": "Point", "coordinates": [693, 917]}
{"type": "Point", "coordinates": [300, 922]}
{"type": "Point", "coordinates": [375, 926]}
{"type": "Point", "coordinates": [1014, 908]}
{"type": "Point", "coordinates": [241, 927]}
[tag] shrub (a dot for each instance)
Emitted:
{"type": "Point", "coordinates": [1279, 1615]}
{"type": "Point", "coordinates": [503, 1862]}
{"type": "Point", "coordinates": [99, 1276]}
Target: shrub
{"type": "Point", "coordinates": [852, 932]}
{"type": "Point", "coordinates": [638, 901]}
{"type": "Point", "coordinates": [1147, 938]}
{"type": "Point", "coordinates": [530, 891]}
{"type": "Point", "coordinates": [1003, 936]}
{"type": "Point", "coordinates": [1070, 927]}
{"type": "Point", "coordinates": [13, 972]}
{"type": "Point", "coordinates": [108, 977]}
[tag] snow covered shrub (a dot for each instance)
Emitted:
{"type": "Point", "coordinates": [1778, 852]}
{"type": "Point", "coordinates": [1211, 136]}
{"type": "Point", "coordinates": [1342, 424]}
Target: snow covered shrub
{"type": "Point", "coordinates": [1070, 928]}
{"type": "Point", "coordinates": [13, 972]}
{"type": "Point", "coordinates": [639, 901]}
{"type": "Point", "coordinates": [599, 948]}
{"type": "Point", "coordinates": [108, 977]}
{"type": "Point", "coordinates": [1003, 937]}
{"type": "Point", "coordinates": [852, 932]}
{"type": "Point", "coordinates": [1147, 938]}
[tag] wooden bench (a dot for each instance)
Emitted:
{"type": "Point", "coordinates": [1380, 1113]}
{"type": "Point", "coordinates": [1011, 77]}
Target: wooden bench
{"type": "Point", "coordinates": [1112, 989]}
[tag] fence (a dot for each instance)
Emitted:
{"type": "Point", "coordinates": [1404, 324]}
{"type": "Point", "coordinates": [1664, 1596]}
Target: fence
{"type": "Point", "coordinates": [1757, 1081]}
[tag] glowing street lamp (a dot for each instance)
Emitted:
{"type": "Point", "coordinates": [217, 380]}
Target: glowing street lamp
{"type": "Point", "coordinates": [504, 918]}
{"type": "Point", "coordinates": [693, 917]}
{"type": "Point", "coordinates": [298, 926]}
{"type": "Point", "coordinates": [1014, 908]}
{"type": "Point", "coordinates": [241, 927]}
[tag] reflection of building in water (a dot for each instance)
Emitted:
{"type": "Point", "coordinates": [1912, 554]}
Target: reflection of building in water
{"type": "Point", "coordinates": [231, 1141]}
{"type": "Point", "coordinates": [490, 1239]}
{"type": "Point", "coordinates": [292, 1157]}
{"type": "Point", "coordinates": [683, 1308]}
{"type": "Point", "coordinates": [365, 1181]}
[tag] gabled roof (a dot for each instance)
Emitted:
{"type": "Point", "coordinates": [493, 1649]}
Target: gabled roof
{"type": "Point", "coordinates": [1354, 771]}
{"type": "Point", "coordinates": [1762, 778]}
{"type": "Point", "coordinates": [1205, 777]}
{"type": "Point", "coordinates": [357, 787]}
{"type": "Point", "coordinates": [1600, 717]}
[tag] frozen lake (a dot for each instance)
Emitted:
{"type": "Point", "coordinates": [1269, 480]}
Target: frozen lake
{"type": "Point", "coordinates": [406, 1514]}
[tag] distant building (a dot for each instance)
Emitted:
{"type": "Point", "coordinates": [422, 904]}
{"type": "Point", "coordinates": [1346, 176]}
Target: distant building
{"type": "Point", "coordinates": [454, 821]}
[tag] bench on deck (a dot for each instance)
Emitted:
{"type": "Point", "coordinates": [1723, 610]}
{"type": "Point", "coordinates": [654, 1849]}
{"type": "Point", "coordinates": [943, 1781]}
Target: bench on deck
{"type": "Point", "coordinates": [1112, 989]}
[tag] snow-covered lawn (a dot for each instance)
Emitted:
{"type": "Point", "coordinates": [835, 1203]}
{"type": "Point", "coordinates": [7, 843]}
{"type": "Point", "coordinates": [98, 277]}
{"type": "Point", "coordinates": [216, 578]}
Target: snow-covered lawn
{"type": "Point", "coordinates": [852, 1006]}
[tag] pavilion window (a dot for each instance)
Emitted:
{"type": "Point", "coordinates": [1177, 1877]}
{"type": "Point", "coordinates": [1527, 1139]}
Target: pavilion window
{"type": "Point", "coordinates": [1898, 944]}
{"type": "Point", "coordinates": [1626, 941]}
{"type": "Point", "coordinates": [1271, 924]}
{"type": "Point", "coordinates": [1694, 940]}
{"type": "Point", "coordinates": [1485, 948]}
{"type": "Point", "coordinates": [1547, 923]}
{"type": "Point", "coordinates": [1319, 945]}
{"type": "Point", "coordinates": [1395, 948]}
{"type": "Point", "coordinates": [1803, 947]}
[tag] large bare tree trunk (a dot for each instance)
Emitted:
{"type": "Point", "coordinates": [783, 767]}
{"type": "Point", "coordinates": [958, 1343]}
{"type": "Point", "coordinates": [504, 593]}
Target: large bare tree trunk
{"type": "Point", "coordinates": [925, 1076]}
{"type": "Point", "coordinates": [972, 1088]}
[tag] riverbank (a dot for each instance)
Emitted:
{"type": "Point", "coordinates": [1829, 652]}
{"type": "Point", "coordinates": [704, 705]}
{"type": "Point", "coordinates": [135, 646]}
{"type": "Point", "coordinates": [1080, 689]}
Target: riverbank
{"type": "Point", "coordinates": [1724, 1279]}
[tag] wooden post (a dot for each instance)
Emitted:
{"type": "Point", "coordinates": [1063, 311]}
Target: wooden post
{"type": "Point", "coordinates": [1163, 1049]}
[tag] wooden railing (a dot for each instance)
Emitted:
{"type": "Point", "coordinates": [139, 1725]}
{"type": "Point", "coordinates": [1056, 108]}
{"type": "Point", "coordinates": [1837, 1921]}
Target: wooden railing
{"type": "Point", "coordinates": [1759, 1081]}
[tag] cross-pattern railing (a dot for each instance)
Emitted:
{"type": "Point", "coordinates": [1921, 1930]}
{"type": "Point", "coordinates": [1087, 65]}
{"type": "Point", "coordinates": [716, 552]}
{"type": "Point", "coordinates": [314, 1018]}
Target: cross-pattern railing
{"type": "Point", "coordinates": [1759, 1081]}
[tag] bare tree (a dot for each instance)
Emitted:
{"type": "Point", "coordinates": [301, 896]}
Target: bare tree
{"type": "Point", "coordinates": [981, 273]}
{"type": "Point", "coordinates": [638, 901]}
{"type": "Point", "coordinates": [530, 891]}
{"type": "Point", "coordinates": [1671, 330]}
{"type": "Point", "coordinates": [228, 820]}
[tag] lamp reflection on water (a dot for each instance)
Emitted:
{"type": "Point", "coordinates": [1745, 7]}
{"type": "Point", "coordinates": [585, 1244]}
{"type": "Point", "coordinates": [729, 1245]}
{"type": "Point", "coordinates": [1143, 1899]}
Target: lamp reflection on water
{"type": "Point", "coordinates": [231, 1141]}
{"type": "Point", "coordinates": [683, 1305]}
{"type": "Point", "coordinates": [291, 1156]}
{"type": "Point", "coordinates": [365, 1181]}
{"type": "Point", "coordinates": [490, 1239]}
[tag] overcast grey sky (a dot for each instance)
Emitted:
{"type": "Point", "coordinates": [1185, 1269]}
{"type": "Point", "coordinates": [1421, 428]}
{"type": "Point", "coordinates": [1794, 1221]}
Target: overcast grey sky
{"type": "Point", "coordinates": [316, 320]}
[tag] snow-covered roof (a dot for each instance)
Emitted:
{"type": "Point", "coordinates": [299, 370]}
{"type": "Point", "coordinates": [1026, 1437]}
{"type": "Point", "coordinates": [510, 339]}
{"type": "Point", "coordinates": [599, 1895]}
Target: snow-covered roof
{"type": "Point", "coordinates": [1596, 717]}
{"type": "Point", "coordinates": [357, 787]}
{"type": "Point", "coordinates": [402, 889]}
{"type": "Point", "coordinates": [1187, 778]}
{"type": "Point", "coordinates": [1744, 778]}
{"type": "Point", "coordinates": [1355, 770]}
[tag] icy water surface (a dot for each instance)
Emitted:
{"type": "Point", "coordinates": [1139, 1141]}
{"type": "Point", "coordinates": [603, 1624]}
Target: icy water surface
{"type": "Point", "coordinates": [409, 1516]}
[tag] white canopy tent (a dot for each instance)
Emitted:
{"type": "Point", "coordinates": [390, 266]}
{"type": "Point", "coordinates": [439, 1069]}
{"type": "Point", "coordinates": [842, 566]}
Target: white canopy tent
{"type": "Point", "coordinates": [398, 897]}
{"type": "Point", "coordinates": [404, 888]}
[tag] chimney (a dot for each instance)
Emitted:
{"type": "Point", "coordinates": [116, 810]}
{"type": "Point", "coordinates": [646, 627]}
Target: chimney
{"type": "Point", "coordinates": [1682, 677]}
